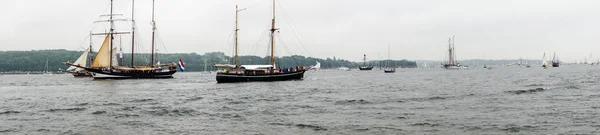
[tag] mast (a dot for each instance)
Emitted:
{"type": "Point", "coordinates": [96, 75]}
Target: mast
{"type": "Point", "coordinates": [450, 51]}
{"type": "Point", "coordinates": [453, 52]}
{"type": "Point", "coordinates": [236, 34]}
{"type": "Point", "coordinates": [272, 37]}
{"type": "Point", "coordinates": [153, 31]}
{"type": "Point", "coordinates": [112, 23]}
{"type": "Point", "coordinates": [89, 60]}
{"type": "Point", "coordinates": [365, 60]}
{"type": "Point", "coordinates": [120, 50]}
{"type": "Point", "coordinates": [386, 62]}
{"type": "Point", "coordinates": [132, 31]}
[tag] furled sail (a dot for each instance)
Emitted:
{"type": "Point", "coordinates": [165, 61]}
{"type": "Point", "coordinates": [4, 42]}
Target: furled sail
{"type": "Point", "coordinates": [82, 61]}
{"type": "Point", "coordinates": [103, 57]}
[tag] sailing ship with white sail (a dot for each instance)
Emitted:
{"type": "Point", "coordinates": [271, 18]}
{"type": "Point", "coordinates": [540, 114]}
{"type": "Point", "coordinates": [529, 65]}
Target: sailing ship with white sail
{"type": "Point", "coordinates": [544, 61]}
{"type": "Point", "coordinates": [451, 62]}
{"type": "Point", "coordinates": [106, 64]}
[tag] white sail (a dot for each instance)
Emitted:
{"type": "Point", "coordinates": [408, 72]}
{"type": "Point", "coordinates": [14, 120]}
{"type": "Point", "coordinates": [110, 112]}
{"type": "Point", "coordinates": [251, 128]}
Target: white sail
{"type": "Point", "coordinates": [544, 61]}
{"type": "Point", "coordinates": [82, 61]}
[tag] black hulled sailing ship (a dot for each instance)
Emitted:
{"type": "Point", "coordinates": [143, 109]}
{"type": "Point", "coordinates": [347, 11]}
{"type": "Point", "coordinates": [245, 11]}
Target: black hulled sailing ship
{"type": "Point", "coordinates": [555, 61]}
{"type": "Point", "coordinates": [365, 66]}
{"type": "Point", "coordinates": [106, 66]}
{"type": "Point", "coordinates": [252, 73]}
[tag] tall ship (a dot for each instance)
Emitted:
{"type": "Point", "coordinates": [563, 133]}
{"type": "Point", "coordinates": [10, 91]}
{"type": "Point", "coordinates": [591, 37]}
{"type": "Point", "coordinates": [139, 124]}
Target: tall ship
{"type": "Point", "coordinates": [555, 61]}
{"type": "Point", "coordinates": [106, 64]}
{"type": "Point", "coordinates": [365, 66]}
{"type": "Point", "coordinates": [254, 73]}
{"type": "Point", "coordinates": [451, 62]}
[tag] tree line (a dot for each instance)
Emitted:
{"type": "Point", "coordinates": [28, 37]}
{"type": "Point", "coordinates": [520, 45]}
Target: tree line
{"type": "Point", "coordinates": [35, 60]}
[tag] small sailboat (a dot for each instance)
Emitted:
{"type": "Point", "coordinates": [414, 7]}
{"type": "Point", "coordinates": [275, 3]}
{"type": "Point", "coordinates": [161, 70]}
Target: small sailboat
{"type": "Point", "coordinates": [206, 71]}
{"type": "Point", "coordinates": [253, 73]}
{"type": "Point", "coordinates": [81, 61]}
{"type": "Point", "coordinates": [46, 68]}
{"type": "Point", "coordinates": [544, 61]}
{"type": "Point", "coordinates": [388, 69]}
{"type": "Point", "coordinates": [344, 68]}
{"type": "Point", "coordinates": [451, 62]}
{"type": "Point", "coordinates": [365, 66]}
{"type": "Point", "coordinates": [555, 61]}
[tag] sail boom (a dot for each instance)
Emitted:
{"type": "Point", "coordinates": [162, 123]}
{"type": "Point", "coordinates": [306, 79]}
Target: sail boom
{"type": "Point", "coordinates": [112, 20]}
{"type": "Point", "coordinates": [114, 33]}
{"type": "Point", "coordinates": [105, 15]}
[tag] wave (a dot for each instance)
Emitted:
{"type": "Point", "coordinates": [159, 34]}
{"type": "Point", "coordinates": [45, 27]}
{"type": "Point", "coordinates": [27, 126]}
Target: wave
{"type": "Point", "coordinates": [9, 112]}
{"type": "Point", "coordinates": [99, 112]}
{"type": "Point", "coordinates": [313, 127]}
{"type": "Point", "coordinates": [526, 91]}
{"type": "Point", "coordinates": [174, 112]}
{"type": "Point", "coordinates": [350, 102]}
{"type": "Point", "coordinates": [141, 100]}
{"type": "Point", "coordinates": [66, 110]}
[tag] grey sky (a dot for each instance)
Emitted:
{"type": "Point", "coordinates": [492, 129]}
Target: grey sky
{"type": "Point", "coordinates": [417, 30]}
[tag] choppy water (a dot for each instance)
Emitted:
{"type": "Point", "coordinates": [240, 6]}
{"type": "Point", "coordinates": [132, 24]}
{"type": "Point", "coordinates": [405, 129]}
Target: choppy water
{"type": "Point", "coordinates": [411, 101]}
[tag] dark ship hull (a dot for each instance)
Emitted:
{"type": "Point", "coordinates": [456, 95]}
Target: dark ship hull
{"type": "Point", "coordinates": [247, 77]}
{"type": "Point", "coordinates": [81, 74]}
{"type": "Point", "coordinates": [132, 74]}
{"type": "Point", "coordinates": [389, 71]}
{"type": "Point", "coordinates": [365, 68]}
{"type": "Point", "coordinates": [555, 64]}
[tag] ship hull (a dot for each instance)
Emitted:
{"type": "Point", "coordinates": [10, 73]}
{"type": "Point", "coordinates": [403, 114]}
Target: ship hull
{"type": "Point", "coordinates": [389, 71]}
{"type": "Point", "coordinates": [81, 75]}
{"type": "Point", "coordinates": [230, 78]}
{"type": "Point", "coordinates": [451, 67]}
{"type": "Point", "coordinates": [132, 74]}
{"type": "Point", "coordinates": [555, 65]}
{"type": "Point", "coordinates": [365, 68]}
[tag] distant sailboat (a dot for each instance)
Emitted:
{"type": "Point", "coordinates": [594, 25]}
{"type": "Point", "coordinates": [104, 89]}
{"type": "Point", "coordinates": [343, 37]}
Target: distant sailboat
{"type": "Point", "coordinates": [206, 71]}
{"type": "Point", "coordinates": [46, 68]}
{"type": "Point", "coordinates": [365, 67]}
{"type": "Point", "coordinates": [544, 61]}
{"type": "Point", "coordinates": [388, 68]}
{"type": "Point", "coordinates": [555, 61]}
{"type": "Point", "coordinates": [451, 63]}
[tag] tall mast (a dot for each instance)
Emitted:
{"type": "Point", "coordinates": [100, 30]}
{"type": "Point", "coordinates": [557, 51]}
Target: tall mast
{"type": "Point", "coordinates": [132, 31]}
{"type": "Point", "coordinates": [153, 30]}
{"type": "Point", "coordinates": [386, 62]}
{"type": "Point", "coordinates": [365, 60]}
{"type": "Point", "coordinates": [272, 37]}
{"type": "Point", "coordinates": [236, 34]}
{"type": "Point", "coordinates": [89, 60]}
{"type": "Point", "coordinates": [111, 31]}
{"type": "Point", "coordinates": [450, 61]}
{"type": "Point", "coordinates": [453, 51]}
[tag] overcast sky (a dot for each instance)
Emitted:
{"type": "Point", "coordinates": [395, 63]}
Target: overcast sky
{"type": "Point", "coordinates": [415, 29]}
